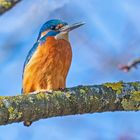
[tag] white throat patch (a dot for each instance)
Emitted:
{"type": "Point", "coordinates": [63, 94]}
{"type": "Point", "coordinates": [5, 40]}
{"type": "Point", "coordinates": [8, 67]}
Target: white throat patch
{"type": "Point", "coordinates": [62, 35]}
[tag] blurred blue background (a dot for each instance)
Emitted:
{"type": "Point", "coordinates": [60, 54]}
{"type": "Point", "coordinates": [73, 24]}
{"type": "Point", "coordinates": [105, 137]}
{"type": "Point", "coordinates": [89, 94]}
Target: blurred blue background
{"type": "Point", "coordinates": [110, 37]}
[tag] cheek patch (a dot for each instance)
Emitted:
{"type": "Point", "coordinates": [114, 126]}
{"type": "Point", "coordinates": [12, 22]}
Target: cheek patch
{"type": "Point", "coordinates": [44, 33]}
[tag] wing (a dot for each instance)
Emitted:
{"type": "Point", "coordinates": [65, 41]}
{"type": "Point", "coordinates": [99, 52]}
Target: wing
{"type": "Point", "coordinates": [30, 54]}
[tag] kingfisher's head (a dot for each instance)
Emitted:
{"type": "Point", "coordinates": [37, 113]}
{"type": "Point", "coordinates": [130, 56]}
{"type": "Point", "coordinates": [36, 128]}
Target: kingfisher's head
{"type": "Point", "coordinates": [57, 28]}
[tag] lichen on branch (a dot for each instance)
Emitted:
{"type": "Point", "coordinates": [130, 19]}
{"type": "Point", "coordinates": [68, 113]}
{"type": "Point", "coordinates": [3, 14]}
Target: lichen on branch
{"type": "Point", "coordinates": [118, 96]}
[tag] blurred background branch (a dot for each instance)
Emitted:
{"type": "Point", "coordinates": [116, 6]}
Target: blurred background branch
{"type": "Point", "coordinates": [130, 65]}
{"type": "Point", "coordinates": [5, 5]}
{"type": "Point", "coordinates": [77, 100]}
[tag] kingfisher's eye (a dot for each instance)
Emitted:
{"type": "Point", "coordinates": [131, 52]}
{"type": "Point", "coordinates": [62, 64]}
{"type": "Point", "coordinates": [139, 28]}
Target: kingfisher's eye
{"type": "Point", "coordinates": [52, 27]}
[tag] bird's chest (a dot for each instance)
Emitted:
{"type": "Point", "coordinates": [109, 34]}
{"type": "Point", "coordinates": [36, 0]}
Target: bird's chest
{"type": "Point", "coordinates": [55, 56]}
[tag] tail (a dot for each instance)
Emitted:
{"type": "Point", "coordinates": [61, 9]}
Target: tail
{"type": "Point", "coordinates": [22, 90]}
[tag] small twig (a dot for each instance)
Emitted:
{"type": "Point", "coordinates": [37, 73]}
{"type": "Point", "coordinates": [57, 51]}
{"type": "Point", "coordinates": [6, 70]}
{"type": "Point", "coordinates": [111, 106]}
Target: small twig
{"type": "Point", "coordinates": [132, 64]}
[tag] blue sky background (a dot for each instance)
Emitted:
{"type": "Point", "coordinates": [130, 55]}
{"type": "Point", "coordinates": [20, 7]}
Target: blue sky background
{"type": "Point", "coordinates": [110, 37]}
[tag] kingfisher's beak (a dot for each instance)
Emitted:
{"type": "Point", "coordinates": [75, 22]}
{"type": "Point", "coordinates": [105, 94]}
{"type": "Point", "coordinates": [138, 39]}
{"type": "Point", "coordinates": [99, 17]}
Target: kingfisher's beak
{"type": "Point", "coordinates": [68, 28]}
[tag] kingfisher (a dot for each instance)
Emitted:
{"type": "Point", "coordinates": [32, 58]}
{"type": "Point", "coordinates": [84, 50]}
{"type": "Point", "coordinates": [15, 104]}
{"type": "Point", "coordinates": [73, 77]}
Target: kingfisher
{"type": "Point", "coordinates": [48, 62]}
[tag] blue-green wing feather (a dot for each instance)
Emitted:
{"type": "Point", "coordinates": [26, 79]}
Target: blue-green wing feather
{"type": "Point", "coordinates": [30, 54]}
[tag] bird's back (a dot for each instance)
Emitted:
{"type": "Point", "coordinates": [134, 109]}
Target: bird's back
{"type": "Point", "coordinates": [48, 67]}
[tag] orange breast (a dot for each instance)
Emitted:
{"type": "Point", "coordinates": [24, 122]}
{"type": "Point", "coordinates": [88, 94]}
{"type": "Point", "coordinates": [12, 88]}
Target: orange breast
{"type": "Point", "coordinates": [48, 67]}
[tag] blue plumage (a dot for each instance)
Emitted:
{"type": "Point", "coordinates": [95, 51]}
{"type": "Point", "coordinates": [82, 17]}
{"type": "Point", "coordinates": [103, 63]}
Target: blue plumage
{"type": "Point", "coordinates": [51, 24]}
{"type": "Point", "coordinates": [30, 53]}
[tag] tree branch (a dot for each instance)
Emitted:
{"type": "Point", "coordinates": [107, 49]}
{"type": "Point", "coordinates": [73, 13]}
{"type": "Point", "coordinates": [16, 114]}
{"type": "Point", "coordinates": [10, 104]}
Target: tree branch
{"type": "Point", "coordinates": [5, 5]}
{"type": "Point", "coordinates": [77, 100]}
{"type": "Point", "coordinates": [132, 64]}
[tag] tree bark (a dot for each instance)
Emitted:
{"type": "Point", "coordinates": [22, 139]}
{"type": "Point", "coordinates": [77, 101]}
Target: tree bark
{"type": "Point", "coordinates": [5, 5]}
{"type": "Point", "coordinates": [77, 100]}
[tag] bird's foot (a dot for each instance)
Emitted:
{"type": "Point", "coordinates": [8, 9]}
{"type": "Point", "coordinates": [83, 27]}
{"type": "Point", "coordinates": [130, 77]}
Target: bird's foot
{"type": "Point", "coordinates": [43, 91]}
